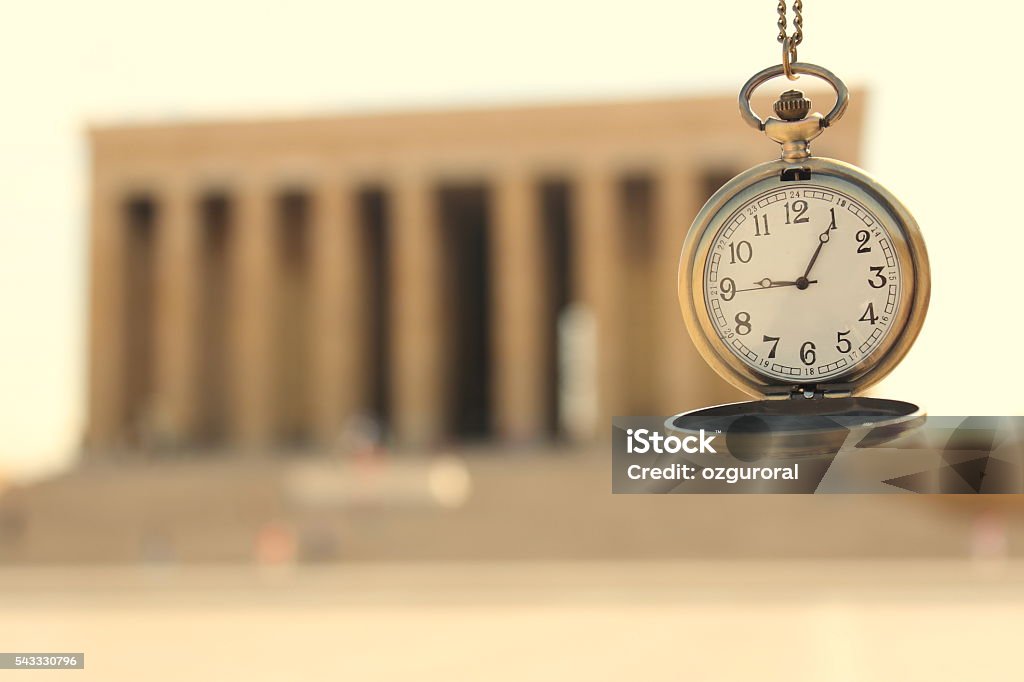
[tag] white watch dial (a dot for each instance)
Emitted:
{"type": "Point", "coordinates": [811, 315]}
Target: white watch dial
{"type": "Point", "coordinates": [802, 283]}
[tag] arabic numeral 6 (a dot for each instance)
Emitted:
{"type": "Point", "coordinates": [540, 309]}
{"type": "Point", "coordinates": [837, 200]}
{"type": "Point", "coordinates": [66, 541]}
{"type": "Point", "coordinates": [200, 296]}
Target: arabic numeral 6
{"type": "Point", "coordinates": [807, 354]}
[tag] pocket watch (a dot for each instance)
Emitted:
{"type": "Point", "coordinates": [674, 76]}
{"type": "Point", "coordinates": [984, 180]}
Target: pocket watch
{"type": "Point", "coordinates": [804, 278]}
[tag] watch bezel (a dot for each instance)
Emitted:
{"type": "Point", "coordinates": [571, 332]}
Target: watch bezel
{"type": "Point", "coordinates": [907, 243]}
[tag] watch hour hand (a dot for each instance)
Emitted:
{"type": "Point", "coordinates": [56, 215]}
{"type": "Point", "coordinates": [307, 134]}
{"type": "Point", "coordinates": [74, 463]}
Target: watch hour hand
{"type": "Point", "coordinates": [775, 284]}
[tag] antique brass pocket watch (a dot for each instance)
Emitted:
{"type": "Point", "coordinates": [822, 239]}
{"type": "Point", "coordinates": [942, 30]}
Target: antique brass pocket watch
{"type": "Point", "coordinates": [804, 279]}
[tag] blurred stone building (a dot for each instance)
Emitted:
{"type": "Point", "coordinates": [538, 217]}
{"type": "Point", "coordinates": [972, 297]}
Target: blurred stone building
{"type": "Point", "coordinates": [470, 279]}
{"type": "Point", "coordinates": [500, 274]}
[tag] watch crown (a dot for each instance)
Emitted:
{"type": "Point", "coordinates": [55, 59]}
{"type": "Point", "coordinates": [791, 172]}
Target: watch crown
{"type": "Point", "coordinates": [792, 106]}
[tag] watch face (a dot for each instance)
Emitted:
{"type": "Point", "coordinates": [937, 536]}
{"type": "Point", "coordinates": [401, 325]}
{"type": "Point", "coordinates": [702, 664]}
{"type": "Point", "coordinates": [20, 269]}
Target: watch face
{"type": "Point", "coordinates": [803, 281]}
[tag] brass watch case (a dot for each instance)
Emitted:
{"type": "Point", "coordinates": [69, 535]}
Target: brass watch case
{"type": "Point", "coordinates": [907, 243]}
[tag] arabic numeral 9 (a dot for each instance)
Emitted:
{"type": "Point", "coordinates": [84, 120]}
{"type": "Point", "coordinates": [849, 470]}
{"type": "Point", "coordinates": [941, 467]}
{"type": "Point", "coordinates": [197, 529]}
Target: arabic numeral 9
{"type": "Point", "coordinates": [728, 289]}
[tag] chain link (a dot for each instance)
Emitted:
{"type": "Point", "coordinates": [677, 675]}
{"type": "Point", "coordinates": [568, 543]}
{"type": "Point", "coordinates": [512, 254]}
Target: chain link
{"type": "Point", "coordinates": [798, 23]}
{"type": "Point", "coordinates": [790, 42]}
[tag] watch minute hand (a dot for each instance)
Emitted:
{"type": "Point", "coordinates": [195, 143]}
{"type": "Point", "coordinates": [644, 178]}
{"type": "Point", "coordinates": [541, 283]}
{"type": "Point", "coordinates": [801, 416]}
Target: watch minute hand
{"type": "Point", "coordinates": [822, 240]}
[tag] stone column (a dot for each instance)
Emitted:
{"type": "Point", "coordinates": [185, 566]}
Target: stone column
{"type": "Point", "coordinates": [686, 380]}
{"type": "Point", "coordinates": [339, 328]}
{"type": "Point", "coordinates": [177, 309]}
{"type": "Point", "coordinates": [254, 269]}
{"type": "Point", "coordinates": [106, 317]}
{"type": "Point", "coordinates": [597, 285]}
{"type": "Point", "coordinates": [417, 316]}
{"type": "Point", "coordinates": [519, 309]}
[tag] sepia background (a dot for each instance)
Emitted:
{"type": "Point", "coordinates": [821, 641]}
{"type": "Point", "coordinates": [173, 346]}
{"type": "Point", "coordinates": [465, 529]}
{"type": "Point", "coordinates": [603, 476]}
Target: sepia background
{"type": "Point", "coordinates": [315, 316]}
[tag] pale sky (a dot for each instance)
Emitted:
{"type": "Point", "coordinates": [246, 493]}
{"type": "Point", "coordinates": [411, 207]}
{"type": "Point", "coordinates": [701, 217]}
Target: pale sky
{"type": "Point", "coordinates": [943, 133]}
